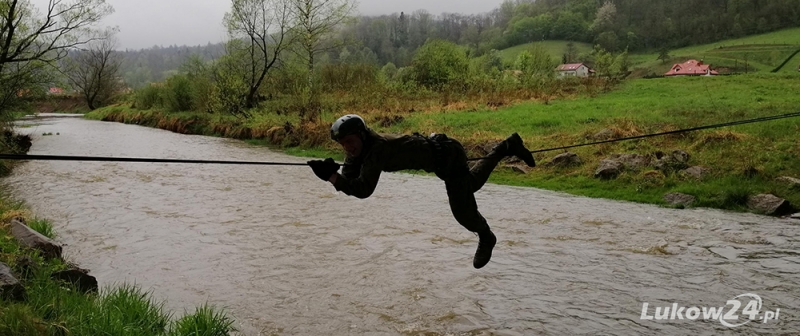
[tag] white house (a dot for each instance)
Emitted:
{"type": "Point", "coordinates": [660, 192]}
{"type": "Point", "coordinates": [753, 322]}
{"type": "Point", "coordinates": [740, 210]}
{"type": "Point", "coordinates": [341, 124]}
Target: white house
{"type": "Point", "coordinates": [574, 69]}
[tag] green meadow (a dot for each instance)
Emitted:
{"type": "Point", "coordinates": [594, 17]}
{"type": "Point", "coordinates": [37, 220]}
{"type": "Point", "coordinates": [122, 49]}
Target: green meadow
{"type": "Point", "coordinates": [742, 160]}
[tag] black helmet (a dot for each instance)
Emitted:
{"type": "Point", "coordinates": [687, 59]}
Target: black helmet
{"type": "Point", "coordinates": [347, 125]}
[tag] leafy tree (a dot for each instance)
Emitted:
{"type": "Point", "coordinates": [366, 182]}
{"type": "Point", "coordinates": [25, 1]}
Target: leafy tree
{"type": "Point", "coordinates": [608, 40]}
{"type": "Point", "coordinates": [438, 63]}
{"type": "Point", "coordinates": [535, 61]}
{"type": "Point", "coordinates": [603, 61]}
{"type": "Point", "coordinates": [571, 53]}
{"type": "Point", "coordinates": [315, 22]}
{"type": "Point", "coordinates": [663, 55]}
{"type": "Point", "coordinates": [605, 20]}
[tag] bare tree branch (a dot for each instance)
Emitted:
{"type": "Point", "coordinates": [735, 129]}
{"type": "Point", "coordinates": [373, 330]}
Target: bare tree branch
{"type": "Point", "coordinates": [94, 72]}
{"type": "Point", "coordinates": [262, 26]}
{"type": "Point", "coordinates": [315, 20]}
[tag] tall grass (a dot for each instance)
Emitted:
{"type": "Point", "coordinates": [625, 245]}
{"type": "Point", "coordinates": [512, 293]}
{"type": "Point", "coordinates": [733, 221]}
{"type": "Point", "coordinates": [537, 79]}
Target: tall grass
{"type": "Point", "coordinates": [42, 226]}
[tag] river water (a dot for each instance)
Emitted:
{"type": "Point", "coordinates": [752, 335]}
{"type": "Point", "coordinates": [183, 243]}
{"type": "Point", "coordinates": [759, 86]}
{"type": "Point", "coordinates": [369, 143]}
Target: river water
{"type": "Point", "coordinates": [285, 254]}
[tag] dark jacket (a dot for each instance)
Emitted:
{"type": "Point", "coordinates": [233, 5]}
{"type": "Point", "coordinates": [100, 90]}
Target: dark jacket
{"type": "Point", "coordinates": [383, 153]}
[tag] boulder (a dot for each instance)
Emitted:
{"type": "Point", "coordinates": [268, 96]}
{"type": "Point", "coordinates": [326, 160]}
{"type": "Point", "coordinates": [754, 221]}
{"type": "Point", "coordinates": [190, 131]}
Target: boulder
{"type": "Point", "coordinates": [520, 168]}
{"type": "Point", "coordinates": [695, 172]}
{"type": "Point", "coordinates": [604, 134]}
{"type": "Point", "coordinates": [10, 288]}
{"type": "Point", "coordinates": [77, 277]}
{"type": "Point", "coordinates": [565, 160]}
{"type": "Point", "coordinates": [676, 198]}
{"type": "Point", "coordinates": [770, 204]}
{"type": "Point", "coordinates": [608, 169]}
{"type": "Point", "coordinates": [790, 181]}
{"type": "Point", "coordinates": [29, 238]}
{"type": "Point", "coordinates": [631, 161]}
{"type": "Point", "coordinates": [795, 216]}
{"type": "Point", "coordinates": [680, 156]}
{"type": "Point", "coordinates": [675, 161]}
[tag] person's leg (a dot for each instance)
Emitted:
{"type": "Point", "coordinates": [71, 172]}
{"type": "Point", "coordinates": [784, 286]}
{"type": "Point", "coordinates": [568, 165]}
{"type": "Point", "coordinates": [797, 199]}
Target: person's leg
{"type": "Point", "coordinates": [481, 171]}
{"type": "Point", "coordinates": [465, 210]}
{"type": "Point", "coordinates": [512, 146]}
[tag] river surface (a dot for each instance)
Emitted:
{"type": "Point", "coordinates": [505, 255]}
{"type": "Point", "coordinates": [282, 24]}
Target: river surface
{"type": "Point", "coordinates": [285, 254]}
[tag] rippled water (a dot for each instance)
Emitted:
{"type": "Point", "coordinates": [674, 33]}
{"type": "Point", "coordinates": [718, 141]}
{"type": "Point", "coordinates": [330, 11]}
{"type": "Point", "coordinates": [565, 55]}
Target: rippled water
{"type": "Point", "coordinates": [287, 255]}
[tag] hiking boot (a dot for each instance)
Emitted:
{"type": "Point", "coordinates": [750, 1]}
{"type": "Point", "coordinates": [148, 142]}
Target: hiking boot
{"type": "Point", "coordinates": [484, 252]}
{"type": "Point", "coordinates": [513, 146]}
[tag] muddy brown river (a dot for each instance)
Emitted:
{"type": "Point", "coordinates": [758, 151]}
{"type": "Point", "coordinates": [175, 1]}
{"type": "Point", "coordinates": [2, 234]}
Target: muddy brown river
{"type": "Point", "coordinates": [285, 254]}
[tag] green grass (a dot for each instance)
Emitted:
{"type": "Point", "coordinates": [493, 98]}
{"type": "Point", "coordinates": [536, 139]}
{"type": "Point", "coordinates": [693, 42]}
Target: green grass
{"type": "Point", "coordinates": [42, 226]}
{"type": "Point", "coordinates": [53, 308]}
{"type": "Point", "coordinates": [555, 48]}
{"type": "Point", "coordinates": [744, 160]}
{"type": "Point", "coordinates": [649, 106]}
{"type": "Point", "coordinates": [206, 321]}
{"type": "Point", "coordinates": [792, 66]}
{"type": "Point", "coordinates": [763, 52]}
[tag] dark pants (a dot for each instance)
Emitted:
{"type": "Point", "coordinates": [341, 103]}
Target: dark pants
{"type": "Point", "coordinates": [462, 183]}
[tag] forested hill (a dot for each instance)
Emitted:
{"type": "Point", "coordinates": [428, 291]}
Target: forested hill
{"type": "Point", "coordinates": [155, 64]}
{"type": "Point", "coordinates": [613, 24]}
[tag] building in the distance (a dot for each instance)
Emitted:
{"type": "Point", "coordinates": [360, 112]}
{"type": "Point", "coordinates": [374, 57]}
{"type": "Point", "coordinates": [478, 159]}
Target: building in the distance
{"type": "Point", "coordinates": [691, 68]}
{"type": "Point", "coordinates": [574, 69]}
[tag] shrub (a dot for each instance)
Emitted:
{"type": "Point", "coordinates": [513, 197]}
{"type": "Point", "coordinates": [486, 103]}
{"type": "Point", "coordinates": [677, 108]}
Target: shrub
{"type": "Point", "coordinates": [439, 63]}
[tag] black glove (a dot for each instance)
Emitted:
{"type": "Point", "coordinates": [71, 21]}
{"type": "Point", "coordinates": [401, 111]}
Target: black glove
{"type": "Point", "coordinates": [324, 169]}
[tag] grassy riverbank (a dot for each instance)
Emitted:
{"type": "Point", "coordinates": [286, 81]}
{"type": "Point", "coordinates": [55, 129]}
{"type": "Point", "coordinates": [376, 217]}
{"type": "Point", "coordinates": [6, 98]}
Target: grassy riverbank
{"type": "Point", "coordinates": [743, 160]}
{"type": "Point", "coordinates": [54, 308]}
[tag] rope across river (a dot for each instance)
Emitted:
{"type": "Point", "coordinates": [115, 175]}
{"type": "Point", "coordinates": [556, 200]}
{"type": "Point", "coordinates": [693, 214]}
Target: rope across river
{"type": "Point", "coordinates": [25, 157]}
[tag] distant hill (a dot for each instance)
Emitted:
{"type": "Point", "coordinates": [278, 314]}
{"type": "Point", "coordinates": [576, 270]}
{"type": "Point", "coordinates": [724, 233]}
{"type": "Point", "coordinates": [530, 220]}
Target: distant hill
{"type": "Point", "coordinates": [762, 53]}
{"type": "Point", "coordinates": [755, 53]}
{"type": "Point", "coordinates": [155, 64]}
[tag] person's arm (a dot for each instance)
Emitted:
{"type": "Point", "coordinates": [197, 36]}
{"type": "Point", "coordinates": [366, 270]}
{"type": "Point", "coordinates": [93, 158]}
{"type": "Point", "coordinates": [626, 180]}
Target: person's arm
{"type": "Point", "coordinates": [364, 185]}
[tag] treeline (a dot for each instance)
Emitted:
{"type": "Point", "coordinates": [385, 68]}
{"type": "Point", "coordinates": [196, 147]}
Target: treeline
{"type": "Point", "coordinates": [615, 25]}
{"type": "Point", "coordinates": [441, 73]}
{"type": "Point", "coordinates": [155, 64]}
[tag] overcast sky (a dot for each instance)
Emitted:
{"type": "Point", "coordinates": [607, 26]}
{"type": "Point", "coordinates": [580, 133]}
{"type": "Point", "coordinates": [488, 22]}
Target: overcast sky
{"type": "Point", "coordinates": [145, 23]}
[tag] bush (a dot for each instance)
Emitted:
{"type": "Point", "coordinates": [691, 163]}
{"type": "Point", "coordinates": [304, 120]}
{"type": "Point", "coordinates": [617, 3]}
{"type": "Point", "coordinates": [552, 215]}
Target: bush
{"type": "Point", "coordinates": [148, 97]}
{"type": "Point", "coordinates": [439, 63]}
{"type": "Point", "coordinates": [348, 76]}
{"type": "Point", "coordinates": [178, 94]}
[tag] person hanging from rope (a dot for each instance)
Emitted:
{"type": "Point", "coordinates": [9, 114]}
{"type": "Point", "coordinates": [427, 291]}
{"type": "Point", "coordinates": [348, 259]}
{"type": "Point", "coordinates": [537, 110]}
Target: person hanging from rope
{"type": "Point", "coordinates": [368, 154]}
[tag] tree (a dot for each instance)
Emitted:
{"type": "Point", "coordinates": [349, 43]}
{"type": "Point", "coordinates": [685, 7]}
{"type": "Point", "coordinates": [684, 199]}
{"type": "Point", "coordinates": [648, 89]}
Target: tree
{"type": "Point", "coordinates": [30, 42]}
{"type": "Point", "coordinates": [94, 72]}
{"type": "Point", "coordinates": [439, 63]}
{"type": "Point", "coordinates": [315, 20]}
{"type": "Point", "coordinates": [605, 19]}
{"type": "Point", "coordinates": [603, 61]}
{"type": "Point", "coordinates": [262, 28]}
{"type": "Point", "coordinates": [621, 65]}
{"type": "Point", "coordinates": [571, 54]}
{"type": "Point", "coordinates": [663, 55]}
{"type": "Point", "coordinates": [535, 62]}
{"type": "Point", "coordinates": [608, 40]}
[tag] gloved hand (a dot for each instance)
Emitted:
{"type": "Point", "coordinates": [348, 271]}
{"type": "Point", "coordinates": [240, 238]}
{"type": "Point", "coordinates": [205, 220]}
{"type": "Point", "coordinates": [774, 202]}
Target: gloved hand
{"type": "Point", "coordinates": [324, 169]}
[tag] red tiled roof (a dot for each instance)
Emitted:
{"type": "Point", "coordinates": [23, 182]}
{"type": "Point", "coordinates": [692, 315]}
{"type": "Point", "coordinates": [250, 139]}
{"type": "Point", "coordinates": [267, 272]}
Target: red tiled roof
{"type": "Point", "coordinates": [690, 68]}
{"type": "Point", "coordinates": [569, 67]}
